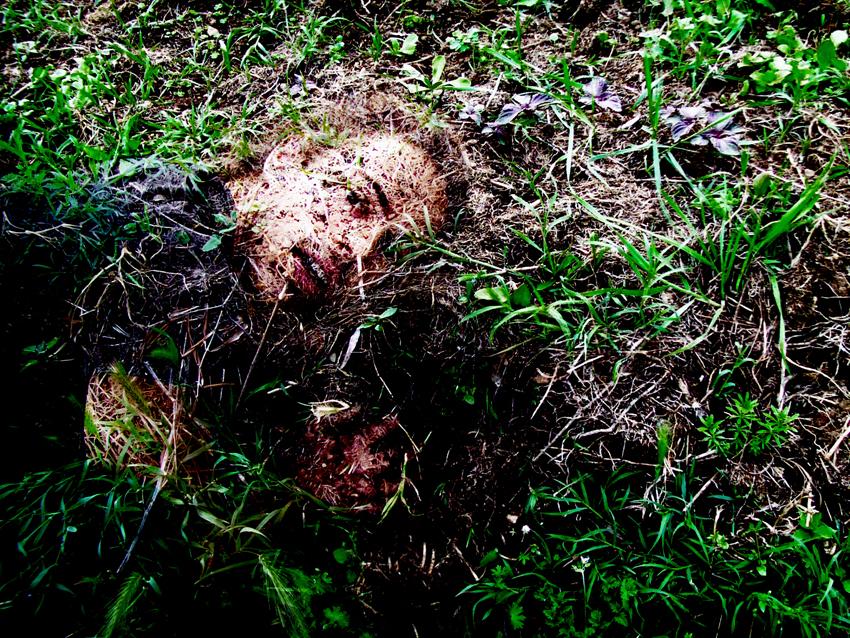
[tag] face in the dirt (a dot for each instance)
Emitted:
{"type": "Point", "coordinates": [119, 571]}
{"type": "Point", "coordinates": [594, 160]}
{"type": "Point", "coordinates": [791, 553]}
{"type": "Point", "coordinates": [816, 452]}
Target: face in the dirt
{"type": "Point", "coordinates": [316, 212]}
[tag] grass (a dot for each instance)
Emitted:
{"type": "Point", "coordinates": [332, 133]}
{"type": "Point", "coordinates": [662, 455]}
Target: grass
{"type": "Point", "coordinates": [732, 235]}
{"type": "Point", "coordinates": [599, 558]}
{"type": "Point", "coordinates": [559, 295]}
{"type": "Point", "coordinates": [626, 352]}
{"type": "Point", "coordinates": [73, 525]}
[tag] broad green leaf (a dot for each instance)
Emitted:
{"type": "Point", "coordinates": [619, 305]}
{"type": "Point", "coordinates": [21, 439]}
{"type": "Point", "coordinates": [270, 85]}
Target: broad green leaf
{"type": "Point", "coordinates": [95, 153]}
{"type": "Point", "coordinates": [498, 294]}
{"type": "Point", "coordinates": [412, 72]}
{"type": "Point", "coordinates": [521, 297]}
{"type": "Point", "coordinates": [167, 351]}
{"type": "Point", "coordinates": [408, 47]}
{"type": "Point", "coordinates": [828, 57]}
{"type": "Point", "coordinates": [389, 312]}
{"type": "Point", "coordinates": [437, 68]}
{"type": "Point", "coordinates": [762, 184]}
{"type": "Point", "coordinates": [212, 243]}
{"type": "Point", "coordinates": [40, 576]}
{"type": "Point", "coordinates": [460, 84]}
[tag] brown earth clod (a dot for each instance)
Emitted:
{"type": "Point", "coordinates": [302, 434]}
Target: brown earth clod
{"type": "Point", "coordinates": [317, 210]}
{"type": "Point", "coordinates": [350, 461]}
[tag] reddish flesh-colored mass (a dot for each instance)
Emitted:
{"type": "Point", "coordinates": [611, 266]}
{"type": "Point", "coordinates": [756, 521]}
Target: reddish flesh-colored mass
{"type": "Point", "coordinates": [315, 211]}
{"type": "Point", "coordinates": [347, 463]}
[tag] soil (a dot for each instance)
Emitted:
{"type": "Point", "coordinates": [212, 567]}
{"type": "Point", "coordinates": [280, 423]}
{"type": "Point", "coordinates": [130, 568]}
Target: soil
{"type": "Point", "coordinates": [317, 210]}
{"type": "Point", "coordinates": [350, 462]}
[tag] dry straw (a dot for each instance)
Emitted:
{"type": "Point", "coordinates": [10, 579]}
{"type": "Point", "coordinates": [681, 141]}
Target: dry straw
{"type": "Point", "coordinates": [320, 208]}
{"type": "Point", "coordinates": [130, 423]}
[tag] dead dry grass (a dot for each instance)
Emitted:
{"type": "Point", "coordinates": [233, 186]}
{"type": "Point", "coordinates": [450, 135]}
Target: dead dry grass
{"type": "Point", "coordinates": [142, 426]}
{"type": "Point", "coordinates": [317, 210]}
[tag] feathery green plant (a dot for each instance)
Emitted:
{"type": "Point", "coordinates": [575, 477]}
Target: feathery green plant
{"type": "Point", "coordinates": [745, 428]}
{"type": "Point", "coordinates": [289, 591]}
{"type": "Point", "coordinates": [125, 600]}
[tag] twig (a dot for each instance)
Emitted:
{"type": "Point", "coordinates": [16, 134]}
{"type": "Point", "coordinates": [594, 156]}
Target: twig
{"type": "Point", "coordinates": [468, 566]}
{"type": "Point", "coordinates": [163, 463]}
{"type": "Point", "coordinates": [698, 494]}
{"type": "Point", "coordinates": [126, 559]}
{"type": "Point", "coordinates": [546, 394]}
{"type": "Point", "coordinates": [215, 328]}
{"type": "Point", "coordinates": [261, 344]}
{"type": "Point", "coordinates": [558, 436]}
{"type": "Point", "coordinates": [834, 449]}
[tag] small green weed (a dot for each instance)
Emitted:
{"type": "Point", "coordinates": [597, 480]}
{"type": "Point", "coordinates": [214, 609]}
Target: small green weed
{"type": "Point", "coordinates": [40, 353]}
{"type": "Point", "coordinates": [746, 428]}
{"type": "Point", "coordinates": [697, 40]}
{"type": "Point", "coordinates": [797, 72]}
{"type": "Point", "coordinates": [599, 560]}
{"type": "Point", "coordinates": [734, 233]}
{"type": "Point", "coordinates": [394, 46]}
{"type": "Point", "coordinates": [464, 41]}
{"type": "Point", "coordinates": [431, 87]}
{"type": "Point", "coordinates": [724, 381]}
{"type": "Point", "coordinates": [42, 20]}
{"type": "Point", "coordinates": [559, 295]}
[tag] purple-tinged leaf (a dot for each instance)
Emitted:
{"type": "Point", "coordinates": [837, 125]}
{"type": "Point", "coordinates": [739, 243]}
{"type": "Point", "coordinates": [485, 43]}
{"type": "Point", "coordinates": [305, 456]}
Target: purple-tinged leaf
{"type": "Point", "coordinates": [726, 144]}
{"type": "Point", "coordinates": [723, 122]}
{"type": "Point", "coordinates": [508, 114]}
{"type": "Point", "coordinates": [491, 128]}
{"type": "Point", "coordinates": [670, 115]}
{"type": "Point", "coordinates": [597, 92]}
{"type": "Point", "coordinates": [713, 117]}
{"type": "Point", "coordinates": [683, 121]}
{"type": "Point", "coordinates": [681, 128]}
{"type": "Point", "coordinates": [719, 129]}
{"type": "Point", "coordinates": [597, 87]}
{"type": "Point", "coordinates": [537, 100]}
{"type": "Point", "coordinates": [471, 111]}
{"type": "Point", "coordinates": [301, 86]}
{"type": "Point", "coordinates": [692, 112]}
{"type": "Point", "coordinates": [522, 103]}
{"type": "Point", "coordinates": [724, 134]}
{"type": "Point", "coordinates": [727, 124]}
{"type": "Point", "coordinates": [611, 102]}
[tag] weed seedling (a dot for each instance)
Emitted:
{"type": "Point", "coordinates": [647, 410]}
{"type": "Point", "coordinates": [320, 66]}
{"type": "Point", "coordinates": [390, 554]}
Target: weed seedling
{"type": "Point", "coordinates": [431, 87]}
{"type": "Point", "coordinates": [744, 428]}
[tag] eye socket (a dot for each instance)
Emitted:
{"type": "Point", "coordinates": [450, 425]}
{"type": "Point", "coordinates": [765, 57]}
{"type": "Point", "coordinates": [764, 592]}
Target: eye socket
{"type": "Point", "coordinates": [383, 200]}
